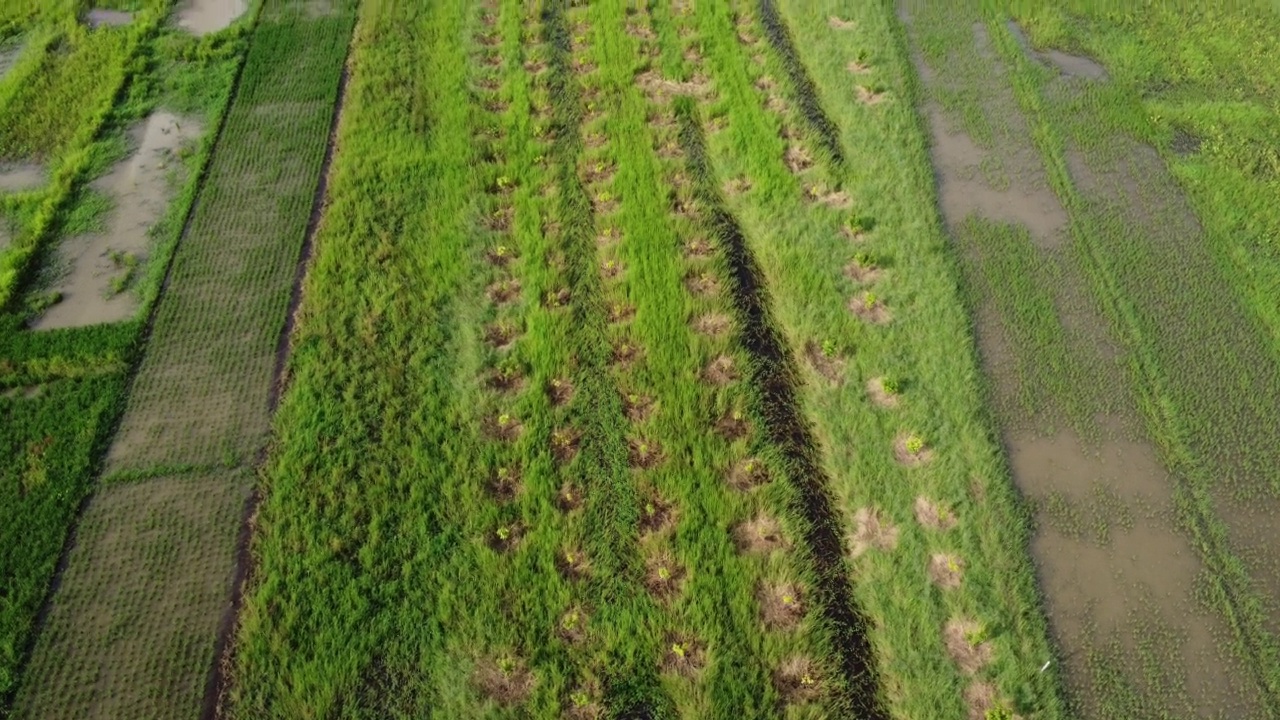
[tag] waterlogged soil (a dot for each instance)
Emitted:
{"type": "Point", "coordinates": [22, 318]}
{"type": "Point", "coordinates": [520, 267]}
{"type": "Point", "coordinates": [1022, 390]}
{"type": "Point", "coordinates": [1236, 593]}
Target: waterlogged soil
{"type": "Point", "coordinates": [201, 17]}
{"type": "Point", "coordinates": [1119, 577]}
{"type": "Point", "coordinates": [93, 266]}
{"type": "Point", "coordinates": [1066, 63]}
{"type": "Point", "coordinates": [9, 53]}
{"type": "Point", "coordinates": [99, 17]}
{"type": "Point", "coordinates": [15, 177]}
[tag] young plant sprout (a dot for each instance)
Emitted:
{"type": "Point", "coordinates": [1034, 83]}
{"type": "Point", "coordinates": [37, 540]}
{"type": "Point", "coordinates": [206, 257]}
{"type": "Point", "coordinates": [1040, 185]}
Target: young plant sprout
{"type": "Point", "coordinates": [829, 348]}
{"type": "Point", "coordinates": [915, 444]}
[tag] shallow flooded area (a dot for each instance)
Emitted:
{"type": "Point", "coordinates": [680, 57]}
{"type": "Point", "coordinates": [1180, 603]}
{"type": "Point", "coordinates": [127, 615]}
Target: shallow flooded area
{"type": "Point", "coordinates": [16, 177]}
{"type": "Point", "coordinates": [97, 269]}
{"type": "Point", "coordinates": [100, 17]}
{"type": "Point", "coordinates": [201, 17]}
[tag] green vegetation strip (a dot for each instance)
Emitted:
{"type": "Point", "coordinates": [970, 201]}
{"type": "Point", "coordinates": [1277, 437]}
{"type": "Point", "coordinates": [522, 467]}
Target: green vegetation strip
{"type": "Point", "coordinates": [216, 328]}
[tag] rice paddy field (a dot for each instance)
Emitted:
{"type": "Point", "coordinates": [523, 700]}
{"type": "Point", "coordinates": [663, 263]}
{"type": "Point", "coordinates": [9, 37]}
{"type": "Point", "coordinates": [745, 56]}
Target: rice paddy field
{"type": "Point", "coordinates": [639, 359]}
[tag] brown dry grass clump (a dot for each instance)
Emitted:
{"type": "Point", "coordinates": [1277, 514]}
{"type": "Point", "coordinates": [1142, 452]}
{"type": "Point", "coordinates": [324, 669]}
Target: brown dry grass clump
{"type": "Point", "coordinates": [946, 570]}
{"type": "Point", "coordinates": [737, 186]}
{"type": "Point", "coordinates": [870, 308]}
{"type": "Point", "coordinates": [638, 407]}
{"type": "Point", "coordinates": [643, 454]}
{"type": "Point", "coordinates": [503, 291]}
{"type": "Point", "coordinates": [981, 698]}
{"type": "Point", "coordinates": [761, 534]}
{"type": "Point", "coordinates": [965, 643]}
{"type": "Point", "coordinates": [660, 89]}
{"type": "Point", "coordinates": [560, 391]}
{"type": "Point", "coordinates": [776, 104]}
{"type": "Point", "coordinates": [909, 449]}
{"type": "Point", "coordinates": [934, 516]}
{"type": "Point", "coordinates": [500, 220]}
{"type": "Point", "coordinates": [620, 312]}
{"type": "Point", "coordinates": [505, 483]}
{"type": "Point", "coordinates": [564, 444]}
{"type": "Point", "coordinates": [830, 366]}
{"type": "Point", "coordinates": [837, 23]}
{"type": "Point", "coordinates": [656, 514]}
{"type": "Point", "coordinates": [712, 324]}
{"type": "Point", "coordinates": [663, 576]}
{"type": "Point", "coordinates": [797, 159]}
{"type": "Point", "coordinates": [584, 702]}
{"type": "Point", "coordinates": [504, 379]}
{"type": "Point", "coordinates": [640, 32]}
{"type": "Point", "coordinates": [838, 199]}
{"type": "Point", "coordinates": [506, 679]}
{"type": "Point", "coordinates": [698, 248]}
{"type": "Point", "coordinates": [881, 397]}
{"type": "Point", "coordinates": [684, 655]}
{"type": "Point", "coordinates": [504, 426]}
{"type": "Point", "coordinates": [860, 273]}
{"type": "Point", "coordinates": [500, 335]}
{"type": "Point", "coordinates": [573, 625]}
{"type": "Point", "coordinates": [721, 371]}
{"type": "Point", "coordinates": [766, 83]}
{"type": "Point", "coordinates": [573, 563]}
{"type": "Point", "coordinates": [872, 531]}
{"type": "Point", "coordinates": [610, 235]}
{"type": "Point", "coordinates": [693, 55]}
{"type": "Point", "coordinates": [625, 352]}
{"type": "Point", "coordinates": [781, 605]}
{"type": "Point", "coordinates": [798, 680]}
{"type": "Point", "coordinates": [733, 425]}
{"type": "Point", "coordinates": [747, 474]}
{"type": "Point", "coordinates": [569, 498]}
{"type": "Point", "coordinates": [870, 96]}
{"type": "Point", "coordinates": [858, 68]}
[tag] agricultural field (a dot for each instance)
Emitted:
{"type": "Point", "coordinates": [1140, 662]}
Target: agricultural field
{"type": "Point", "coordinates": [638, 359]}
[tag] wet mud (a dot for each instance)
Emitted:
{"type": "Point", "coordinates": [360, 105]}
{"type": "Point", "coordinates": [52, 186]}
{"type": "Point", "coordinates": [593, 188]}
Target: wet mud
{"type": "Point", "coordinates": [17, 177]}
{"type": "Point", "coordinates": [94, 271]}
{"type": "Point", "coordinates": [100, 17]}
{"type": "Point", "coordinates": [1066, 63]}
{"type": "Point", "coordinates": [1115, 567]}
{"type": "Point", "coordinates": [201, 17]}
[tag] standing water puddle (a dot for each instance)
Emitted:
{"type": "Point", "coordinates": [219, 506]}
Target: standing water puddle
{"type": "Point", "coordinates": [98, 17]}
{"type": "Point", "coordinates": [16, 178]}
{"type": "Point", "coordinates": [200, 17]}
{"type": "Point", "coordinates": [1120, 580]}
{"type": "Point", "coordinates": [101, 265]}
{"type": "Point", "coordinates": [1068, 64]}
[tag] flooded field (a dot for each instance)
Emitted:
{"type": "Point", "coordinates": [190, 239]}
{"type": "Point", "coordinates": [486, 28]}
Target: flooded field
{"type": "Point", "coordinates": [1123, 576]}
{"type": "Point", "coordinates": [102, 17]}
{"type": "Point", "coordinates": [16, 177]}
{"type": "Point", "coordinates": [201, 17]}
{"type": "Point", "coordinates": [96, 269]}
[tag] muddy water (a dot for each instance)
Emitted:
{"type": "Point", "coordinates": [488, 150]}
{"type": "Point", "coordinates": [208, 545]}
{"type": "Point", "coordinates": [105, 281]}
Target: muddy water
{"type": "Point", "coordinates": [92, 265]}
{"type": "Point", "coordinates": [19, 177]}
{"type": "Point", "coordinates": [1066, 63]}
{"type": "Point", "coordinates": [1119, 577]}
{"type": "Point", "coordinates": [200, 17]}
{"type": "Point", "coordinates": [99, 17]}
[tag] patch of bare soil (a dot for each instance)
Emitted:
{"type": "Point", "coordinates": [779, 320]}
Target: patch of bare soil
{"type": "Point", "coordinates": [721, 371]}
{"type": "Point", "coordinates": [505, 379]}
{"type": "Point", "coordinates": [872, 531]}
{"type": "Point", "coordinates": [828, 365]}
{"type": "Point", "coordinates": [870, 308]}
{"type": "Point", "coordinates": [625, 352]}
{"type": "Point", "coordinates": [637, 406]}
{"type": "Point", "coordinates": [16, 177]}
{"type": "Point", "coordinates": [737, 186]}
{"type": "Point", "coordinates": [564, 444]}
{"type": "Point", "coordinates": [748, 474]}
{"type": "Point", "coordinates": [664, 577]}
{"type": "Point", "coordinates": [573, 563]}
{"type": "Point", "coordinates": [781, 605]}
{"type": "Point", "coordinates": [656, 514]}
{"type": "Point", "coordinates": [620, 312]}
{"type": "Point", "coordinates": [857, 67]}
{"type": "Point", "coordinates": [946, 570]}
{"type": "Point", "coordinates": [966, 644]}
{"type": "Point", "coordinates": [99, 267]}
{"type": "Point", "coordinates": [201, 17]}
{"type": "Point", "coordinates": [712, 324]}
{"type": "Point", "coordinates": [505, 537]}
{"type": "Point", "coordinates": [760, 535]}
{"type": "Point", "coordinates": [775, 103]}
{"type": "Point", "coordinates": [501, 335]}
{"type": "Point", "coordinates": [504, 291]}
{"type": "Point", "coordinates": [910, 450]}
{"type": "Point", "coordinates": [798, 680]}
{"type": "Point", "coordinates": [880, 395]}
{"type": "Point", "coordinates": [863, 273]}
{"type": "Point", "coordinates": [100, 17]}
{"type": "Point", "coordinates": [505, 483]}
{"type": "Point", "coordinates": [643, 454]}
{"type": "Point", "coordinates": [934, 516]}
{"type": "Point", "coordinates": [733, 425]}
{"type": "Point", "coordinates": [560, 391]}
{"type": "Point", "coordinates": [684, 655]}
{"type": "Point", "coordinates": [506, 680]}
{"type": "Point", "coordinates": [569, 497]}
{"type": "Point", "coordinates": [837, 23]}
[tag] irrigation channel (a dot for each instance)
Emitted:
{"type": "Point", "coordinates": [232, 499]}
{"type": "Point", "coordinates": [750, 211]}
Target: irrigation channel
{"type": "Point", "coordinates": [1108, 343]}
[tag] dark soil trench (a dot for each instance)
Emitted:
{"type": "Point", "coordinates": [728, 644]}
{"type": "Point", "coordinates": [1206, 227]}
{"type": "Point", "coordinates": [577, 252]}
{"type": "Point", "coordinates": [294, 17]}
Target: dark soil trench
{"type": "Point", "coordinates": [1121, 579]}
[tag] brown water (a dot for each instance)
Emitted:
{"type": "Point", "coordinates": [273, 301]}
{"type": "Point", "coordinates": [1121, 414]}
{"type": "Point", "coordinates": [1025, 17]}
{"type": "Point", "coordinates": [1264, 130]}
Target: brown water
{"type": "Point", "coordinates": [1120, 579]}
{"type": "Point", "coordinates": [1068, 64]}
{"type": "Point", "coordinates": [93, 264]}
{"type": "Point", "coordinates": [98, 17]}
{"type": "Point", "coordinates": [16, 177]}
{"type": "Point", "coordinates": [201, 17]}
